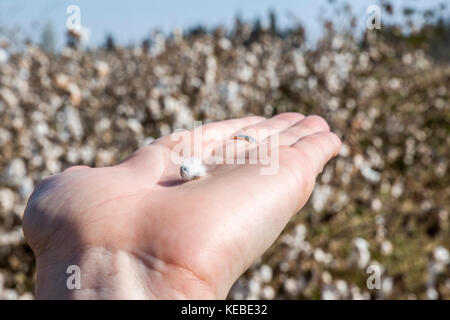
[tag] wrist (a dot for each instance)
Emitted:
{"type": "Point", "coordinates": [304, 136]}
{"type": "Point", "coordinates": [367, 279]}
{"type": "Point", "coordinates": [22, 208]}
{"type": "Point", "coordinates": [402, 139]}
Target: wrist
{"type": "Point", "coordinates": [99, 273]}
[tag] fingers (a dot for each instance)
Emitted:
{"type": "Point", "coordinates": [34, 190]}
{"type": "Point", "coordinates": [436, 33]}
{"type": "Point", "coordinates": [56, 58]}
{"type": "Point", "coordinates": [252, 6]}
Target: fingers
{"type": "Point", "coordinates": [213, 135]}
{"type": "Point", "coordinates": [79, 167]}
{"type": "Point", "coordinates": [274, 125]}
{"type": "Point", "coordinates": [303, 128]}
{"type": "Point", "coordinates": [316, 150]}
{"type": "Point", "coordinates": [260, 132]}
{"type": "Point", "coordinates": [220, 130]}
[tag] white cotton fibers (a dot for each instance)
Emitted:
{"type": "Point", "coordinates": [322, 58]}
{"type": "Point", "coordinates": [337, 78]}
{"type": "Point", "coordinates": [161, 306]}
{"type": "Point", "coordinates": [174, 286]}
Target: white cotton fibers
{"type": "Point", "coordinates": [192, 168]}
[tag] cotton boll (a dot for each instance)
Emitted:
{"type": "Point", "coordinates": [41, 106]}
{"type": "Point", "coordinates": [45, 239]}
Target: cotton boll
{"type": "Point", "coordinates": [342, 288]}
{"type": "Point", "coordinates": [387, 285]}
{"type": "Point", "coordinates": [15, 172]}
{"type": "Point", "coordinates": [432, 294]}
{"type": "Point", "coordinates": [268, 293]}
{"type": "Point", "coordinates": [441, 255]}
{"type": "Point", "coordinates": [329, 293]}
{"type": "Point", "coordinates": [265, 273]}
{"type": "Point", "coordinates": [360, 254]}
{"type": "Point", "coordinates": [4, 56]}
{"type": "Point", "coordinates": [192, 168]}
{"type": "Point", "coordinates": [291, 287]}
{"type": "Point", "coordinates": [386, 247]}
{"type": "Point", "coordinates": [7, 198]}
{"type": "Point", "coordinates": [26, 187]}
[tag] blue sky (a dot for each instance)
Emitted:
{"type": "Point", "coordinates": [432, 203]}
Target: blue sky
{"type": "Point", "coordinates": [130, 21]}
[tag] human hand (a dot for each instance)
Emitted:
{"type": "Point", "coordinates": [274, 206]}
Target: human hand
{"type": "Point", "coordinates": [137, 231]}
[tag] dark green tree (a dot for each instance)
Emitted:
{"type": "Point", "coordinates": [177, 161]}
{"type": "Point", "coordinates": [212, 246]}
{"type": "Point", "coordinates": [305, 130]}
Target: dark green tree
{"type": "Point", "coordinates": [273, 22]}
{"type": "Point", "coordinates": [48, 38]}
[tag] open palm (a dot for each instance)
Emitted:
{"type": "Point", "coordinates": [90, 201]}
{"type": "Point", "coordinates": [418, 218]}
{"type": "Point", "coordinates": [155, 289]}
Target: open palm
{"type": "Point", "coordinates": [138, 231]}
